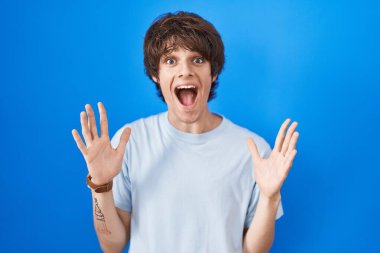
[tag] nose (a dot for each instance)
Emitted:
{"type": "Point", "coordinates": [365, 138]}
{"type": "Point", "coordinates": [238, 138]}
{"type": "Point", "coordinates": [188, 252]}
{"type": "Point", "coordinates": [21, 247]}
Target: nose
{"type": "Point", "coordinates": [185, 69]}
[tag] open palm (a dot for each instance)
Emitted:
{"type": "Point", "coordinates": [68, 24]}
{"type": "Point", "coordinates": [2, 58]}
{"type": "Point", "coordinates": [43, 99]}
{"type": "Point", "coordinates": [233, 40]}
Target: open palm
{"type": "Point", "coordinates": [271, 173]}
{"type": "Point", "coordinates": [103, 161]}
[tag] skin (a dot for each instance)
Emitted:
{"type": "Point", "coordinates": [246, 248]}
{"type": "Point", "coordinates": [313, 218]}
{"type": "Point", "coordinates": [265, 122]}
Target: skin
{"type": "Point", "coordinates": [270, 175]}
{"type": "Point", "coordinates": [104, 162]}
{"type": "Point", "coordinates": [182, 66]}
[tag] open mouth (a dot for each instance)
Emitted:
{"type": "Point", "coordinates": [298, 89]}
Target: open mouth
{"type": "Point", "coordinates": [186, 94]}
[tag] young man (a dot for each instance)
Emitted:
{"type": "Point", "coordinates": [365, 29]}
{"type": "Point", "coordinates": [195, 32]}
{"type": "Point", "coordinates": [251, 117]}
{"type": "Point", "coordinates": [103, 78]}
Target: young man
{"type": "Point", "coordinates": [184, 180]}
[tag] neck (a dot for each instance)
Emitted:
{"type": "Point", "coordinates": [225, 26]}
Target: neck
{"type": "Point", "coordinates": [205, 122]}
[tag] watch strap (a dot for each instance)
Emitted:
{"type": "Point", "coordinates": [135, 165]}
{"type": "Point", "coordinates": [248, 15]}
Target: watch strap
{"type": "Point", "coordinates": [99, 188]}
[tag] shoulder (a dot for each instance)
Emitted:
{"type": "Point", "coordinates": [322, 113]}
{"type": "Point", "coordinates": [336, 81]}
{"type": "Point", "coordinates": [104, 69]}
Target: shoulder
{"type": "Point", "coordinates": [139, 127]}
{"type": "Point", "coordinates": [241, 133]}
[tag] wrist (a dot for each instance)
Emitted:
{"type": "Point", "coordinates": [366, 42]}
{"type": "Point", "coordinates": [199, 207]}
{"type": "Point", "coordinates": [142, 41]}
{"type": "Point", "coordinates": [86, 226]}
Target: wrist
{"type": "Point", "coordinates": [274, 199]}
{"type": "Point", "coordinates": [98, 179]}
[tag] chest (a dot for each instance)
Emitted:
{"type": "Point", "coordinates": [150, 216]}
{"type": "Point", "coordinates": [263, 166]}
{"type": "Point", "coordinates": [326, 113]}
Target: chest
{"type": "Point", "coordinates": [191, 176]}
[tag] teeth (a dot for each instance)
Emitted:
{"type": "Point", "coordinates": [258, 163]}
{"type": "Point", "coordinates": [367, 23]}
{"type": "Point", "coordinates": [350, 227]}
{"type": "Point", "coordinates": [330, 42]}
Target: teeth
{"type": "Point", "coordinates": [186, 87]}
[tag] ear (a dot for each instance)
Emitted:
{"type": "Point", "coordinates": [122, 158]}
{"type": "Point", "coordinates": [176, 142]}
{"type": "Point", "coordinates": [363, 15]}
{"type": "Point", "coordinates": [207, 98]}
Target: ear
{"type": "Point", "coordinates": [155, 79]}
{"type": "Point", "coordinates": [214, 78]}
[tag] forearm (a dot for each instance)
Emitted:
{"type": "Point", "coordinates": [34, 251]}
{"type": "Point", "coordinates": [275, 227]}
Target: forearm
{"type": "Point", "coordinates": [109, 228]}
{"type": "Point", "coordinates": [260, 235]}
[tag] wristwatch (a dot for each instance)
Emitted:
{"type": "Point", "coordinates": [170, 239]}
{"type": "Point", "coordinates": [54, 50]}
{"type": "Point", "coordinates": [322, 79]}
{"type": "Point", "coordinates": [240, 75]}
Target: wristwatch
{"type": "Point", "coordinates": [99, 188]}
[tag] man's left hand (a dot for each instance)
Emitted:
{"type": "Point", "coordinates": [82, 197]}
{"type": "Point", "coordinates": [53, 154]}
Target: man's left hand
{"type": "Point", "coordinates": [271, 173]}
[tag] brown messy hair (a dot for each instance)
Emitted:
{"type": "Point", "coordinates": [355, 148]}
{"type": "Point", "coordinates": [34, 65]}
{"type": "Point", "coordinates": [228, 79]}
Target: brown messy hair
{"type": "Point", "coordinates": [189, 31]}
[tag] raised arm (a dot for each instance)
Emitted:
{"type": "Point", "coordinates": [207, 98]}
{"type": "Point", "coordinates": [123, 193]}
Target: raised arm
{"type": "Point", "coordinates": [112, 225]}
{"type": "Point", "coordinates": [270, 175]}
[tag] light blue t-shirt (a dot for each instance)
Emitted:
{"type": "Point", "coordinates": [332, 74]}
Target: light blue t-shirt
{"type": "Point", "coordinates": [187, 192]}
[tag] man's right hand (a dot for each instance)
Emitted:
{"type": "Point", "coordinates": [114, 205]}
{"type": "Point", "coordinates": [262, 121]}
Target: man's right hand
{"type": "Point", "coordinates": [103, 161]}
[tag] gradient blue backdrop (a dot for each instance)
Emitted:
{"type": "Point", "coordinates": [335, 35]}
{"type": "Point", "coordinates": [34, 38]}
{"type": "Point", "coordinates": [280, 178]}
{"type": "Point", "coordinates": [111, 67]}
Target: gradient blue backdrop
{"type": "Point", "coordinates": [316, 62]}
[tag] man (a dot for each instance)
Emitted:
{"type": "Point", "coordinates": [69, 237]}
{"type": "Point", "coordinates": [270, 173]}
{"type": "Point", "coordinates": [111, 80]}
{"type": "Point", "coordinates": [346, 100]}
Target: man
{"type": "Point", "coordinates": [184, 180]}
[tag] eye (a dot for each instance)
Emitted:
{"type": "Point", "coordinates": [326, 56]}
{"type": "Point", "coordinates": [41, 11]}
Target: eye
{"type": "Point", "coordinates": [199, 60]}
{"type": "Point", "coordinates": [169, 61]}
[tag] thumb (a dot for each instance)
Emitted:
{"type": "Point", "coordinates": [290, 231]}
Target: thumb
{"type": "Point", "coordinates": [123, 140]}
{"type": "Point", "coordinates": [253, 149]}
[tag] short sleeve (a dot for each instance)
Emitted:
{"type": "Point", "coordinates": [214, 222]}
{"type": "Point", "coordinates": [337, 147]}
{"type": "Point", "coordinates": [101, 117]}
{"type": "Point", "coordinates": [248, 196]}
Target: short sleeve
{"type": "Point", "coordinates": [121, 183]}
{"type": "Point", "coordinates": [254, 200]}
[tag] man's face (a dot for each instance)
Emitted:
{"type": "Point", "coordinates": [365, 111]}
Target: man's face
{"type": "Point", "coordinates": [185, 80]}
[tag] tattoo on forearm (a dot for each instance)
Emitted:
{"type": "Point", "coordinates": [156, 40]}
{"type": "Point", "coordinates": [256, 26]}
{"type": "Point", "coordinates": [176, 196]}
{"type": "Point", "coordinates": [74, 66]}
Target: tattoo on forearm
{"type": "Point", "coordinates": [99, 216]}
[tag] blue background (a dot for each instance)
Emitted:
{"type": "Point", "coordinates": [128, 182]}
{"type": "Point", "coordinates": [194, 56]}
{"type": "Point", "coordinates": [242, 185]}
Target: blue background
{"type": "Point", "coordinates": [316, 62]}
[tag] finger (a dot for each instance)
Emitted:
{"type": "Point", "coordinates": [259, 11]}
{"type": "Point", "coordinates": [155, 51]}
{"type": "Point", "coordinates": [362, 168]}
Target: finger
{"type": "Point", "coordinates": [79, 142]}
{"type": "Point", "coordinates": [91, 121]}
{"type": "Point", "coordinates": [289, 160]}
{"type": "Point", "coordinates": [85, 131]}
{"type": "Point", "coordinates": [289, 135]}
{"type": "Point", "coordinates": [103, 120]}
{"type": "Point", "coordinates": [123, 140]}
{"type": "Point", "coordinates": [253, 149]}
{"type": "Point", "coordinates": [293, 142]}
{"type": "Point", "coordinates": [280, 136]}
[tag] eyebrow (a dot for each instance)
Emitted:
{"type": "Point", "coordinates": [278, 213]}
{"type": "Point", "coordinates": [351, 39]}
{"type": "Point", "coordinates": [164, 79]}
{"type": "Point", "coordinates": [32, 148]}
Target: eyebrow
{"type": "Point", "coordinates": [169, 52]}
